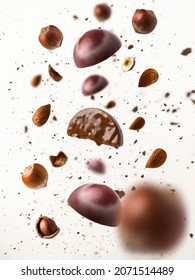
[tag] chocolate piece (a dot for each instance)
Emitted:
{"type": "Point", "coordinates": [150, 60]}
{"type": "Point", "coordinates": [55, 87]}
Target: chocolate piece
{"type": "Point", "coordinates": [186, 51]}
{"type": "Point", "coordinates": [94, 47]}
{"type": "Point", "coordinates": [96, 125]}
{"type": "Point", "coordinates": [98, 203]}
{"type": "Point", "coordinates": [96, 165]}
{"type": "Point", "coordinates": [94, 84]}
{"type": "Point", "coordinates": [153, 219]}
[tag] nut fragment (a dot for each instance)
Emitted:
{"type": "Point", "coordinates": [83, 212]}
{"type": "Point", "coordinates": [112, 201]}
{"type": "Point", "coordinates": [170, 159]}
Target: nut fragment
{"type": "Point", "coordinates": [36, 80]}
{"type": "Point", "coordinates": [102, 11]}
{"type": "Point", "coordinates": [50, 37]}
{"type": "Point", "coordinates": [137, 124]}
{"type": "Point", "coordinates": [35, 176]}
{"type": "Point", "coordinates": [46, 227]}
{"type": "Point", "coordinates": [41, 115]}
{"type": "Point", "coordinates": [54, 75]}
{"type": "Point", "coordinates": [59, 160]}
{"type": "Point", "coordinates": [157, 158]}
{"type": "Point", "coordinates": [148, 77]}
{"type": "Point", "coordinates": [128, 64]}
{"type": "Point", "coordinates": [111, 104]}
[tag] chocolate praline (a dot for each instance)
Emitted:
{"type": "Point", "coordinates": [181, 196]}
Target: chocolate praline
{"type": "Point", "coordinates": [153, 219]}
{"type": "Point", "coordinates": [94, 47]}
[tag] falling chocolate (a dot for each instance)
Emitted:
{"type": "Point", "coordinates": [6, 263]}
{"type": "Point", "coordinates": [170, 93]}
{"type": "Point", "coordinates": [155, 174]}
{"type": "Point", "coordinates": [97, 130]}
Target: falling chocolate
{"type": "Point", "coordinates": [96, 125]}
{"type": "Point", "coordinates": [153, 219]}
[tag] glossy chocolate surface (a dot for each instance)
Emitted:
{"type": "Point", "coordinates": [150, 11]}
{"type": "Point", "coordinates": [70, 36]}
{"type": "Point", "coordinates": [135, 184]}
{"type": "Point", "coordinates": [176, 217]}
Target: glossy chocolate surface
{"type": "Point", "coordinates": [94, 47]}
{"type": "Point", "coordinates": [96, 125]}
{"type": "Point", "coordinates": [94, 84]}
{"type": "Point", "coordinates": [153, 219]}
{"type": "Point", "coordinates": [98, 203]}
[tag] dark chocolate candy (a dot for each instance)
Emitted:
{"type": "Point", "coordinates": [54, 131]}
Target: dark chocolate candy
{"type": "Point", "coordinates": [98, 203]}
{"type": "Point", "coordinates": [153, 219]}
{"type": "Point", "coordinates": [94, 47]}
{"type": "Point", "coordinates": [94, 84]}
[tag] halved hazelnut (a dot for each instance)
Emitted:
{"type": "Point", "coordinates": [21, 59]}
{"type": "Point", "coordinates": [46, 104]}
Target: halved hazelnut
{"type": "Point", "coordinates": [46, 227]}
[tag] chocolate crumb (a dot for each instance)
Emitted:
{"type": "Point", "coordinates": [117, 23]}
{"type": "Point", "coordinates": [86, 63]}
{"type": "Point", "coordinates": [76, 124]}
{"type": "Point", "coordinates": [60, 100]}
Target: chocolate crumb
{"type": "Point", "coordinates": [130, 47]}
{"type": "Point", "coordinates": [111, 104]}
{"type": "Point", "coordinates": [133, 188]}
{"type": "Point", "coordinates": [191, 235]}
{"type": "Point", "coordinates": [75, 17]}
{"type": "Point", "coordinates": [167, 95]}
{"type": "Point", "coordinates": [135, 109]}
{"type": "Point", "coordinates": [120, 193]}
{"type": "Point", "coordinates": [186, 51]}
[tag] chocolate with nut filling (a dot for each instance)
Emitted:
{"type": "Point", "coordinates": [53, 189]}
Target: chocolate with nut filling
{"type": "Point", "coordinates": [96, 125]}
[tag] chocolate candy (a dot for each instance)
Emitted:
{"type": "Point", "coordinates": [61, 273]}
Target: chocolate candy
{"type": "Point", "coordinates": [94, 47]}
{"type": "Point", "coordinates": [94, 84]}
{"type": "Point", "coordinates": [98, 203]}
{"type": "Point", "coordinates": [96, 125]}
{"type": "Point", "coordinates": [153, 219]}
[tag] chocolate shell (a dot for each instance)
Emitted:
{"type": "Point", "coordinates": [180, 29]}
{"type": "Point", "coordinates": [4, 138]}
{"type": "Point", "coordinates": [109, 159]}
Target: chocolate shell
{"type": "Point", "coordinates": [94, 47]}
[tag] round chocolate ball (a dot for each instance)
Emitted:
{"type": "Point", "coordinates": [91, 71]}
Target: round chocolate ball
{"type": "Point", "coordinates": [153, 219]}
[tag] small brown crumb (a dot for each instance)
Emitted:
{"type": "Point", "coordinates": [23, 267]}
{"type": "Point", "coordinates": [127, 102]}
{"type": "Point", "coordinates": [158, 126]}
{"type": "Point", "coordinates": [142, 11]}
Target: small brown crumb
{"type": "Point", "coordinates": [135, 109]}
{"type": "Point", "coordinates": [167, 94]}
{"type": "Point", "coordinates": [120, 193]}
{"type": "Point", "coordinates": [25, 129]}
{"type": "Point", "coordinates": [133, 188]}
{"type": "Point", "coordinates": [75, 17]}
{"type": "Point", "coordinates": [186, 51]}
{"type": "Point", "coordinates": [111, 104]}
{"type": "Point", "coordinates": [191, 235]}
{"type": "Point", "coordinates": [130, 47]}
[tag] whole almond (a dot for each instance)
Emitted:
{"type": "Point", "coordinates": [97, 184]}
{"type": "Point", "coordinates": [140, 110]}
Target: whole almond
{"type": "Point", "coordinates": [137, 124]}
{"type": "Point", "coordinates": [157, 158]}
{"type": "Point", "coordinates": [41, 115]}
{"type": "Point", "coordinates": [148, 77]}
{"type": "Point", "coordinates": [54, 75]}
{"type": "Point", "coordinates": [36, 80]}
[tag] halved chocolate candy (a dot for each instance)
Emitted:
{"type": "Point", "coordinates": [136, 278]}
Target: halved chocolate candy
{"type": "Point", "coordinates": [96, 125]}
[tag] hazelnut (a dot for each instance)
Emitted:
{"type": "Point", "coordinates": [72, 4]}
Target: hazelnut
{"type": "Point", "coordinates": [144, 21]}
{"type": "Point", "coordinates": [35, 176]}
{"type": "Point", "coordinates": [50, 37]}
{"type": "Point", "coordinates": [46, 227]}
{"type": "Point", "coordinates": [102, 12]}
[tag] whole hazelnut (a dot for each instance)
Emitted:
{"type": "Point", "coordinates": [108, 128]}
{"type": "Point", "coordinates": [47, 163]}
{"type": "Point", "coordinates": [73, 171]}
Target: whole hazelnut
{"type": "Point", "coordinates": [144, 21]}
{"type": "Point", "coordinates": [50, 37]}
{"type": "Point", "coordinates": [46, 227]}
{"type": "Point", "coordinates": [102, 12]}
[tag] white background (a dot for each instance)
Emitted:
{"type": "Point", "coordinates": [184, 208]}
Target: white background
{"type": "Point", "coordinates": [20, 24]}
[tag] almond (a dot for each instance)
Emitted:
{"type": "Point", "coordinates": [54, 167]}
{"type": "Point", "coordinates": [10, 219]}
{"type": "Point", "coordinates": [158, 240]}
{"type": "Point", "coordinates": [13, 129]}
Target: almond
{"type": "Point", "coordinates": [59, 160]}
{"type": "Point", "coordinates": [148, 77]}
{"type": "Point", "coordinates": [54, 75]}
{"type": "Point", "coordinates": [36, 80]}
{"type": "Point", "coordinates": [157, 158]}
{"type": "Point", "coordinates": [41, 115]}
{"type": "Point", "coordinates": [137, 124]}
